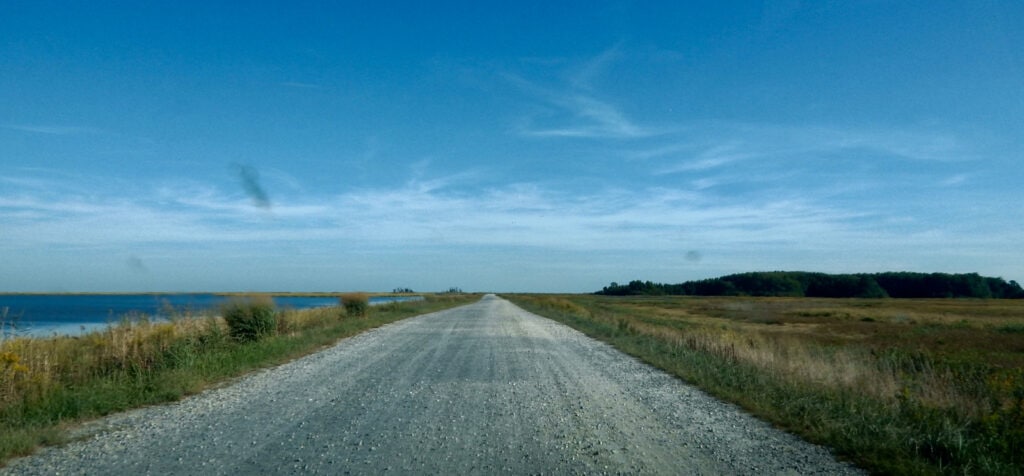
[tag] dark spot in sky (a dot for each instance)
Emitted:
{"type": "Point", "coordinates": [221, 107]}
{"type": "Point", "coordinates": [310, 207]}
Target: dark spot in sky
{"type": "Point", "coordinates": [250, 179]}
{"type": "Point", "coordinates": [693, 256]}
{"type": "Point", "coordinates": [136, 265]}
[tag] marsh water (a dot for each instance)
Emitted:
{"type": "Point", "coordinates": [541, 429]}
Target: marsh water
{"type": "Point", "coordinates": [70, 314]}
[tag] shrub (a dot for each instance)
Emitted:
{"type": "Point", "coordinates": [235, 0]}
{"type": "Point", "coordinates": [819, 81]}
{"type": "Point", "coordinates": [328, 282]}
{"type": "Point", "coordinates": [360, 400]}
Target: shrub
{"type": "Point", "coordinates": [250, 319]}
{"type": "Point", "coordinates": [356, 304]}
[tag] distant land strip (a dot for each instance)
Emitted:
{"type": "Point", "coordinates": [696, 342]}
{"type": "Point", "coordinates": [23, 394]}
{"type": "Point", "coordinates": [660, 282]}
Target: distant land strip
{"type": "Point", "coordinates": [809, 284]}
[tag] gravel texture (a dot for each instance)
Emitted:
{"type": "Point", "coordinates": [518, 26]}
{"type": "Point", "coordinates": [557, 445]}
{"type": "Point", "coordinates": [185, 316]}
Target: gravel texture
{"type": "Point", "coordinates": [481, 389]}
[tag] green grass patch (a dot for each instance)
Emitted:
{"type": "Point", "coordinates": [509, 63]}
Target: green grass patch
{"type": "Point", "coordinates": [47, 385]}
{"type": "Point", "coordinates": [1011, 329]}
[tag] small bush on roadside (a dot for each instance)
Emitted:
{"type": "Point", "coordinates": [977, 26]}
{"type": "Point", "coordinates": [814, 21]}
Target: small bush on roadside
{"type": "Point", "coordinates": [356, 304]}
{"type": "Point", "coordinates": [250, 319]}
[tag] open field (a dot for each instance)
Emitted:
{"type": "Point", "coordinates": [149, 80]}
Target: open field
{"type": "Point", "coordinates": [897, 386]}
{"type": "Point", "coordinates": [47, 384]}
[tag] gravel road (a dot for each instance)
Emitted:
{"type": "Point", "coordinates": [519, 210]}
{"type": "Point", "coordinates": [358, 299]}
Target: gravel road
{"type": "Point", "coordinates": [480, 389]}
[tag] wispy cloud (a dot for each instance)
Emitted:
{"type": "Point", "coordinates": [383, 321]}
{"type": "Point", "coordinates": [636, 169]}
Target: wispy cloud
{"type": "Point", "coordinates": [702, 147]}
{"type": "Point", "coordinates": [300, 85]}
{"type": "Point", "coordinates": [422, 213]}
{"type": "Point", "coordinates": [583, 116]}
{"type": "Point", "coordinates": [711, 158]}
{"type": "Point", "coordinates": [574, 109]}
{"type": "Point", "coordinates": [49, 129]}
{"type": "Point", "coordinates": [955, 180]}
{"type": "Point", "coordinates": [451, 215]}
{"type": "Point", "coordinates": [583, 76]}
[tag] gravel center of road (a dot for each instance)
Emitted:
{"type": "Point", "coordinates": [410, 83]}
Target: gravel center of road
{"type": "Point", "coordinates": [480, 389]}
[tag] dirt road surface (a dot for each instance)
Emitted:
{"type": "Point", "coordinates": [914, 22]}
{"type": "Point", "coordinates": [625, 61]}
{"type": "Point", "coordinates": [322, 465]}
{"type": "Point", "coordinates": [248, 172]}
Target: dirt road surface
{"type": "Point", "coordinates": [481, 389]}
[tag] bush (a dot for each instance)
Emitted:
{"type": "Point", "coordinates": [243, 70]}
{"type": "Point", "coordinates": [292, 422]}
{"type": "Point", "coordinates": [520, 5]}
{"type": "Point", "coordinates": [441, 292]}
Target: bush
{"type": "Point", "coordinates": [356, 304]}
{"type": "Point", "coordinates": [250, 319]}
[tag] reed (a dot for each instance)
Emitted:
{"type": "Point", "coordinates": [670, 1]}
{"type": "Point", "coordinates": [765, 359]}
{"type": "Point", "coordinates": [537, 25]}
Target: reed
{"type": "Point", "coordinates": [355, 304]}
{"type": "Point", "coordinates": [250, 318]}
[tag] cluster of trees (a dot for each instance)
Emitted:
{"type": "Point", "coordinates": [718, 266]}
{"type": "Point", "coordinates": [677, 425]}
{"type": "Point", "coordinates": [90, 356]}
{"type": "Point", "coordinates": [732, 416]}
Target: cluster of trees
{"type": "Point", "coordinates": [805, 284]}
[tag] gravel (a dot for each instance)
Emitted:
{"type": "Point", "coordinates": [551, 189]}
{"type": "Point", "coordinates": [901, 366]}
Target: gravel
{"type": "Point", "coordinates": [481, 389]}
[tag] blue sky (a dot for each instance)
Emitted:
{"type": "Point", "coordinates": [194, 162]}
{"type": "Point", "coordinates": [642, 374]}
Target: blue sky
{"type": "Point", "coordinates": [512, 146]}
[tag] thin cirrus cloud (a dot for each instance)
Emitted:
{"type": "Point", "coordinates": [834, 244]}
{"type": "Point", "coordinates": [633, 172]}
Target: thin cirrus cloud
{"type": "Point", "coordinates": [300, 85]}
{"type": "Point", "coordinates": [443, 215]}
{"type": "Point", "coordinates": [416, 214]}
{"type": "Point", "coordinates": [955, 180]}
{"type": "Point", "coordinates": [55, 130]}
{"type": "Point", "coordinates": [572, 109]}
{"type": "Point", "coordinates": [698, 147]}
{"type": "Point", "coordinates": [582, 116]}
{"type": "Point", "coordinates": [711, 158]}
{"type": "Point", "coordinates": [570, 106]}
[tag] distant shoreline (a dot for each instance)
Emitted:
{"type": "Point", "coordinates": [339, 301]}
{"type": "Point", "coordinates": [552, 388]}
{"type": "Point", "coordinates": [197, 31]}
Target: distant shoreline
{"type": "Point", "coordinates": [45, 314]}
{"type": "Point", "coordinates": [214, 293]}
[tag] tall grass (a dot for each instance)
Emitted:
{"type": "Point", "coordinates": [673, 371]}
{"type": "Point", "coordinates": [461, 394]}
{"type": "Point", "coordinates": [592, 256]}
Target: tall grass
{"type": "Point", "coordinates": [891, 403]}
{"type": "Point", "coordinates": [355, 304]}
{"type": "Point", "coordinates": [47, 383]}
{"type": "Point", "coordinates": [250, 318]}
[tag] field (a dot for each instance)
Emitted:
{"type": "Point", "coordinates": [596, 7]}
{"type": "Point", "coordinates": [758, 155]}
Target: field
{"type": "Point", "coordinates": [48, 384]}
{"type": "Point", "coordinates": [896, 386]}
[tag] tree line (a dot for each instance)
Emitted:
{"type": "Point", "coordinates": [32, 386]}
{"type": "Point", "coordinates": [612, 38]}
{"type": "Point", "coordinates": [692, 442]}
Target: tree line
{"type": "Point", "coordinates": [807, 284]}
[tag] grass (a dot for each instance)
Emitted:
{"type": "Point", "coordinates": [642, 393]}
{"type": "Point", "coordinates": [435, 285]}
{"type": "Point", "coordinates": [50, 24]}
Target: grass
{"type": "Point", "coordinates": [250, 319]}
{"type": "Point", "coordinates": [50, 384]}
{"type": "Point", "coordinates": [355, 304]}
{"type": "Point", "coordinates": [895, 386]}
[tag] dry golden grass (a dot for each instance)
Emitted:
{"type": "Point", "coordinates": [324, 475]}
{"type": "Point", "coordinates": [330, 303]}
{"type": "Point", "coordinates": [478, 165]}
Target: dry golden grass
{"type": "Point", "coordinates": [888, 349]}
{"type": "Point", "coordinates": [30, 366]}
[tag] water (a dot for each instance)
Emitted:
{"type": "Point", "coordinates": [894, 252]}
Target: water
{"type": "Point", "coordinates": [72, 314]}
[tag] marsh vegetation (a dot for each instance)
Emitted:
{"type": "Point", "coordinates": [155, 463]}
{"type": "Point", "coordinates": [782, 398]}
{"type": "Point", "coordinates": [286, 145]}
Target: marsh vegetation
{"type": "Point", "coordinates": [912, 386]}
{"type": "Point", "coordinates": [47, 384]}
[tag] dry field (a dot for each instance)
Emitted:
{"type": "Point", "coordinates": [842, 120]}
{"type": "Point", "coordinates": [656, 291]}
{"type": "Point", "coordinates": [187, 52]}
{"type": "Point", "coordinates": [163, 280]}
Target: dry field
{"type": "Point", "coordinates": [905, 386]}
